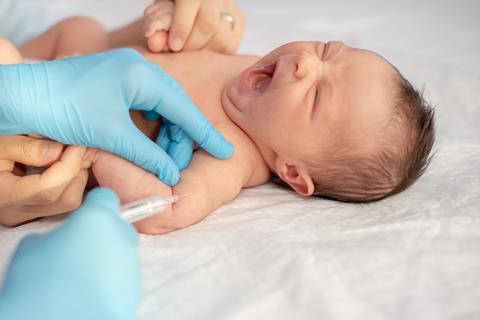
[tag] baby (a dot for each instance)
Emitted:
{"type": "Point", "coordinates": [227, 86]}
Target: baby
{"type": "Point", "coordinates": [325, 119]}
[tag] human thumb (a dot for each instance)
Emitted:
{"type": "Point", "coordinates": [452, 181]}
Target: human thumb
{"type": "Point", "coordinates": [30, 151]}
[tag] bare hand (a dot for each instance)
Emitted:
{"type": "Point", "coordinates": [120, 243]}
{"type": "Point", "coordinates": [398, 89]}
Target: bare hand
{"type": "Point", "coordinates": [193, 25]}
{"type": "Point", "coordinates": [58, 189]}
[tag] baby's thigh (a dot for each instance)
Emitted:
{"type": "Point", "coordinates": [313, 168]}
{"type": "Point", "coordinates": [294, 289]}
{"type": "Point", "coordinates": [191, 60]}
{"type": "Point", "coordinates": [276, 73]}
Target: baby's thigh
{"type": "Point", "coordinates": [126, 179]}
{"type": "Point", "coordinates": [8, 53]}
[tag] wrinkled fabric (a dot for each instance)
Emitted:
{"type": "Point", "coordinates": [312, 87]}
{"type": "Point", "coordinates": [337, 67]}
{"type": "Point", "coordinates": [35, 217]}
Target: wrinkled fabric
{"type": "Point", "coordinates": [21, 20]}
{"type": "Point", "coordinates": [273, 255]}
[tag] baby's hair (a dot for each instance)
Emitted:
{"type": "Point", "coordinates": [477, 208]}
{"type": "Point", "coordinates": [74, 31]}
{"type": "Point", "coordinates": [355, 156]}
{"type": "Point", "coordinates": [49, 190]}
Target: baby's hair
{"type": "Point", "coordinates": [405, 156]}
{"type": "Point", "coordinates": [351, 176]}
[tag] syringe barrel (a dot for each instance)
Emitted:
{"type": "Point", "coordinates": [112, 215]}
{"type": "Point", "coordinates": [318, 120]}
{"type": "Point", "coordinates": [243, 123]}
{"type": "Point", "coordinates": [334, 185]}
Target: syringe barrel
{"type": "Point", "coordinates": [145, 208]}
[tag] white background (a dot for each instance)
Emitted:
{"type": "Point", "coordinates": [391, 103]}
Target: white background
{"type": "Point", "coordinates": [273, 255]}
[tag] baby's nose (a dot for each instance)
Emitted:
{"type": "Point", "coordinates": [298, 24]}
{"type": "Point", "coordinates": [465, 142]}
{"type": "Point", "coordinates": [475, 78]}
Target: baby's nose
{"type": "Point", "coordinates": [305, 63]}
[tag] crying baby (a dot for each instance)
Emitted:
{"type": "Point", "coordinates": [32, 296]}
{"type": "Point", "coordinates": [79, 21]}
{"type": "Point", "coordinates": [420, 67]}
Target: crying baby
{"type": "Point", "coordinates": [324, 119]}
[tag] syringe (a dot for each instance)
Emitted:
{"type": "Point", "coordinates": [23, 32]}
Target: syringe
{"type": "Point", "coordinates": [141, 209]}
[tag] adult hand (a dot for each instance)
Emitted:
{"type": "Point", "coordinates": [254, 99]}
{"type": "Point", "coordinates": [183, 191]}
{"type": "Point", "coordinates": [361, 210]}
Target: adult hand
{"type": "Point", "coordinates": [174, 141]}
{"type": "Point", "coordinates": [193, 25]}
{"type": "Point", "coordinates": [85, 101]}
{"type": "Point", "coordinates": [86, 269]}
{"type": "Point", "coordinates": [57, 190]}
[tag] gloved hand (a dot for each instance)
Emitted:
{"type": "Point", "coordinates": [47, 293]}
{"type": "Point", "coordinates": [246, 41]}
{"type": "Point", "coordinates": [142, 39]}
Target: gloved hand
{"type": "Point", "coordinates": [174, 141]}
{"type": "Point", "coordinates": [86, 269]}
{"type": "Point", "coordinates": [85, 100]}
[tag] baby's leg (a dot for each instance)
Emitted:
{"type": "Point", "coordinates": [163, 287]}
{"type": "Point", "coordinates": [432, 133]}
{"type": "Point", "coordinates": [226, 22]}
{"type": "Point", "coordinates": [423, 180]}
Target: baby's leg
{"type": "Point", "coordinates": [8, 53]}
{"type": "Point", "coordinates": [73, 36]}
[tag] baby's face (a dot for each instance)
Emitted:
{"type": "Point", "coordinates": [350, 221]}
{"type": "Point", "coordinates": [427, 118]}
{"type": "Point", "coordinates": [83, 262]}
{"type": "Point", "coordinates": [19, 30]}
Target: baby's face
{"type": "Point", "coordinates": [308, 98]}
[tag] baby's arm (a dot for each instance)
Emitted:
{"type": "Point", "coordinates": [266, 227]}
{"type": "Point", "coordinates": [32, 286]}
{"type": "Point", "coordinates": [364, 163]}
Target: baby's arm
{"type": "Point", "coordinates": [210, 182]}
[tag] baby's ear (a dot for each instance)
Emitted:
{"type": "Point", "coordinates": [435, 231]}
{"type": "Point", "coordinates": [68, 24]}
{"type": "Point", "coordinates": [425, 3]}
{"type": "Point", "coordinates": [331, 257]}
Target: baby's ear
{"type": "Point", "coordinates": [296, 177]}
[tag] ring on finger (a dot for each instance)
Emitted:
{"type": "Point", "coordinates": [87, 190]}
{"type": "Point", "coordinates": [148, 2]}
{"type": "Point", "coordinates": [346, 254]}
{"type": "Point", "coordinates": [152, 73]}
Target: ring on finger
{"type": "Point", "coordinates": [229, 18]}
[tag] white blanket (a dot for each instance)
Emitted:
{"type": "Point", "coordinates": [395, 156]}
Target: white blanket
{"type": "Point", "coordinates": [273, 255]}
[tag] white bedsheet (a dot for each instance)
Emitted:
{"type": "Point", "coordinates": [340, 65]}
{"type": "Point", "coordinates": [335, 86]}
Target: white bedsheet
{"type": "Point", "coordinates": [273, 255]}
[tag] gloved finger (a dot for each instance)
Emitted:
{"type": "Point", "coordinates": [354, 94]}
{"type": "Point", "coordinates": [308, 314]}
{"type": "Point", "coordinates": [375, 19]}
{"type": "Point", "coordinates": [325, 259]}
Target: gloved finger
{"type": "Point", "coordinates": [176, 143]}
{"type": "Point", "coordinates": [152, 116]}
{"type": "Point", "coordinates": [206, 25]}
{"type": "Point", "coordinates": [183, 21]}
{"type": "Point", "coordinates": [180, 148]}
{"type": "Point", "coordinates": [163, 140]}
{"type": "Point", "coordinates": [46, 188]}
{"type": "Point", "coordinates": [100, 215]}
{"type": "Point", "coordinates": [101, 200]}
{"type": "Point", "coordinates": [29, 151]}
{"type": "Point", "coordinates": [176, 106]}
{"type": "Point", "coordinates": [137, 148]}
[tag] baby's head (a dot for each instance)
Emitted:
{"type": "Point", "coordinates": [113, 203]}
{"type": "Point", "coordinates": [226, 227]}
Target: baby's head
{"type": "Point", "coordinates": [333, 121]}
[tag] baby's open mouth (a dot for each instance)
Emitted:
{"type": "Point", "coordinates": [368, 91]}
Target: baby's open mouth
{"type": "Point", "coordinates": [260, 77]}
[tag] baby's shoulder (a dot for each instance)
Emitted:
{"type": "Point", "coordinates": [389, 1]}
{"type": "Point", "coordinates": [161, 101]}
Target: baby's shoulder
{"type": "Point", "coordinates": [247, 156]}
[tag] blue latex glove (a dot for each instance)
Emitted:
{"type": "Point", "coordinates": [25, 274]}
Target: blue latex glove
{"type": "Point", "coordinates": [86, 269]}
{"type": "Point", "coordinates": [174, 140]}
{"type": "Point", "coordinates": [177, 143]}
{"type": "Point", "coordinates": [85, 100]}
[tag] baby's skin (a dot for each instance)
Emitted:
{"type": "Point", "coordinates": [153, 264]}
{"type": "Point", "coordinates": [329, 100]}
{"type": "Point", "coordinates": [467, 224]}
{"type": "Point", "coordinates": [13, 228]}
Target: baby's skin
{"type": "Point", "coordinates": [284, 113]}
{"type": "Point", "coordinates": [280, 113]}
{"type": "Point", "coordinates": [302, 102]}
{"type": "Point", "coordinates": [201, 178]}
{"type": "Point", "coordinates": [284, 110]}
{"type": "Point", "coordinates": [210, 181]}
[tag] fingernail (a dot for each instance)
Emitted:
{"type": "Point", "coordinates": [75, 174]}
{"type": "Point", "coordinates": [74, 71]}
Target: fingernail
{"type": "Point", "coordinates": [52, 150]}
{"type": "Point", "coordinates": [86, 163]}
{"type": "Point", "coordinates": [176, 44]}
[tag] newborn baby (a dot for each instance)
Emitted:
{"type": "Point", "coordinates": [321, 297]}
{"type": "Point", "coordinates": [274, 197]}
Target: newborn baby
{"type": "Point", "coordinates": [325, 119]}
